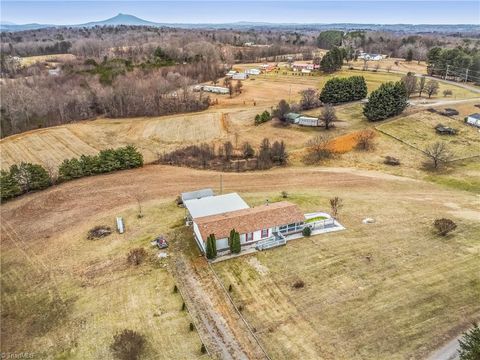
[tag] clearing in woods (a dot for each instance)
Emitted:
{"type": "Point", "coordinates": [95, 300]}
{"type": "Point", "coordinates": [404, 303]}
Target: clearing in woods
{"type": "Point", "coordinates": [366, 295]}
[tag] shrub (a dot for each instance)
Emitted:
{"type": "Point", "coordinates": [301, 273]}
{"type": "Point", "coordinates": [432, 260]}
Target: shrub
{"type": "Point", "coordinates": [298, 284]}
{"type": "Point", "coordinates": [390, 99]}
{"type": "Point", "coordinates": [262, 118]}
{"type": "Point", "coordinates": [98, 232]}
{"type": "Point", "coordinates": [284, 194]}
{"type": "Point", "coordinates": [30, 176]}
{"type": "Point", "coordinates": [332, 61]}
{"type": "Point", "coordinates": [340, 90]}
{"type": "Point", "coordinates": [444, 226]}
{"type": "Point", "coordinates": [447, 92]}
{"type": "Point", "coordinates": [128, 345]}
{"type": "Point", "coordinates": [306, 231]}
{"type": "Point", "coordinates": [390, 160]}
{"type": "Point", "coordinates": [136, 256]}
{"type": "Point", "coordinates": [365, 140]}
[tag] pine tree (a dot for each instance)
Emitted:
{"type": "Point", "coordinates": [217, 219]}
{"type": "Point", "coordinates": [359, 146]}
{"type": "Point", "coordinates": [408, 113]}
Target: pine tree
{"type": "Point", "coordinates": [211, 251]}
{"type": "Point", "coordinates": [9, 186]}
{"type": "Point", "coordinates": [470, 344]}
{"type": "Point", "coordinates": [390, 99]}
{"type": "Point", "coordinates": [234, 241]}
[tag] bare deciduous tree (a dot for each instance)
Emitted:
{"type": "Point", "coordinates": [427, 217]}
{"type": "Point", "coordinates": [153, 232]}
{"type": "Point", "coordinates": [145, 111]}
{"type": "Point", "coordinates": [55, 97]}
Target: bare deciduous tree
{"type": "Point", "coordinates": [318, 149]}
{"type": "Point", "coordinates": [365, 140]}
{"type": "Point", "coordinates": [336, 204]}
{"type": "Point", "coordinates": [328, 116]}
{"type": "Point", "coordinates": [438, 154]}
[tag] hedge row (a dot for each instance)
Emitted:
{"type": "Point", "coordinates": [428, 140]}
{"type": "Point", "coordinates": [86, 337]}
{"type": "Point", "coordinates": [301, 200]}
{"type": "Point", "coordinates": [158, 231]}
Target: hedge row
{"type": "Point", "coordinates": [27, 177]}
{"type": "Point", "coordinates": [340, 90]}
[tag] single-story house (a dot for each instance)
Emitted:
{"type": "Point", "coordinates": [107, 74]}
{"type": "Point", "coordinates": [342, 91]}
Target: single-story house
{"type": "Point", "coordinates": [198, 194]}
{"type": "Point", "coordinates": [230, 73]}
{"type": "Point", "coordinates": [253, 71]}
{"type": "Point", "coordinates": [261, 227]}
{"type": "Point", "coordinates": [473, 119]}
{"type": "Point", "coordinates": [253, 224]}
{"type": "Point", "coordinates": [373, 57]}
{"type": "Point", "coordinates": [212, 89]}
{"type": "Point", "coordinates": [240, 76]}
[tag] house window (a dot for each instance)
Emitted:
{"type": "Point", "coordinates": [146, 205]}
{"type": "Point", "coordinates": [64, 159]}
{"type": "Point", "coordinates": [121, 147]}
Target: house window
{"type": "Point", "coordinates": [264, 233]}
{"type": "Point", "coordinates": [250, 236]}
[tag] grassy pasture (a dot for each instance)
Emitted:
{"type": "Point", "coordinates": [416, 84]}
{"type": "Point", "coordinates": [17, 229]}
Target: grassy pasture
{"type": "Point", "coordinates": [418, 131]}
{"type": "Point", "coordinates": [367, 295]}
{"type": "Point", "coordinates": [65, 296]}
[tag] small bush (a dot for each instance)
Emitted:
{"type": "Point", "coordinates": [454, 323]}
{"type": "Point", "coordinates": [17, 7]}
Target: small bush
{"type": "Point", "coordinates": [98, 232]}
{"type": "Point", "coordinates": [136, 256]}
{"type": "Point", "coordinates": [306, 231]}
{"type": "Point", "coordinates": [203, 349]}
{"type": "Point", "coordinates": [390, 160]}
{"type": "Point", "coordinates": [298, 284]}
{"type": "Point", "coordinates": [284, 194]}
{"type": "Point", "coordinates": [444, 226]}
{"type": "Point", "coordinates": [128, 345]}
{"type": "Point", "coordinates": [365, 140]}
{"type": "Point", "coordinates": [192, 327]}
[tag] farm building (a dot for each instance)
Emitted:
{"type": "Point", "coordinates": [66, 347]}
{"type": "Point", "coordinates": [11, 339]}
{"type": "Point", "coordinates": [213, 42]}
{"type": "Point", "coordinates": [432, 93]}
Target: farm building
{"type": "Point", "coordinates": [253, 71]}
{"type": "Point", "coordinates": [261, 227]}
{"type": "Point", "coordinates": [240, 76]}
{"type": "Point", "coordinates": [230, 73]}
{"type": "Point", "coordinates": [212, 89]}
{"type": "Point", "coordinates": [372, 57]}
{"type": "Point", "coordinates": [198, 194]}
{"type": "Point", "coordinates": [307, 121]}
{"type": "Point", "coordinates": [304, 66]}
{"type": "Point", "coordinates": [302, 120]}
{"type": "Point", "coordinates": [473, 120]}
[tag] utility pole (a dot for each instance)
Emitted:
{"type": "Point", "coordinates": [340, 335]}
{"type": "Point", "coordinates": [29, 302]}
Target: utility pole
{"type": "Point", "coordinates": [466, 75]}
{"type": "Point", "coordinates": [446, 72]}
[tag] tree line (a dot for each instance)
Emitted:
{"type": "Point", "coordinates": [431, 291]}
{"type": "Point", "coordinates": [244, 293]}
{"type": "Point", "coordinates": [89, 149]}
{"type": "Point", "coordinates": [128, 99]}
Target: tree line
{"type": "Point", "coordinates": [227, 158]}
{"type": "Point", "coordinates": [26, 177]}
{"type": "Point", "coordinates": [461, 64]}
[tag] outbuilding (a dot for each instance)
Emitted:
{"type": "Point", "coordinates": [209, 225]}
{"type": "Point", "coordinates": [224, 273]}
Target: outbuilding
{"type": "Point", "coordinates": [473, 119]}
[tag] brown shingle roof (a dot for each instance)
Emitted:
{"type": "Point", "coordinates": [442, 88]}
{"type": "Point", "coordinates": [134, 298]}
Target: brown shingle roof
{"type": "Point", "coordinates": [249, 220]}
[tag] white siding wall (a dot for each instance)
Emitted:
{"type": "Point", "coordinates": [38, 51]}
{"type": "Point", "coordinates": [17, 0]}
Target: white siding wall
{"type": "Point", "coordinates": [198, 237]}
{"type": "Point", "coordinates": [257, 235]}
{"type": "Point", "coordinates": [222, 244]}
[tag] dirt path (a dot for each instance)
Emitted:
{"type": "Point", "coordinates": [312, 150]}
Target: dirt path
{"type": "Point", "coordinates": [224, 334]}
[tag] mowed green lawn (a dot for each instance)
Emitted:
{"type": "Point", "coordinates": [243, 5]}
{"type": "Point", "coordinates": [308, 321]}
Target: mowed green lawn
{"type": "Point", "coordinates": [389, 290]}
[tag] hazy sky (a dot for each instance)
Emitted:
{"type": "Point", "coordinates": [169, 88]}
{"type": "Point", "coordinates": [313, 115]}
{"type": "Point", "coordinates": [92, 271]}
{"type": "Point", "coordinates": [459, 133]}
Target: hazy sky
{"type": "Point", "coordinates": [382, 12]}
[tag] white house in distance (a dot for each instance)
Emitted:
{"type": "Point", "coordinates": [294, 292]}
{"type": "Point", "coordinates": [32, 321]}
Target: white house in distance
{"type": "Point", "coordinates": [253, 71]}
{"type": "Point", "coordinates": [473, 119]}
{"type": "Point", "coordinates": [240, 76]}
{"type": "Point", "coordinates": [260, 227]}
{"type": "Point", "coordinates": [373, 57]}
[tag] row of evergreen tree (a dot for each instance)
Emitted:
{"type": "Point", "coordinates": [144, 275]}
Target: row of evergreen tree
{"type": "Point", "coordinates": [108, 160]}
{"type": "Point", "coordinates": [26, 177]}
{"type": "Point", "coordinates": [340, 90]}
